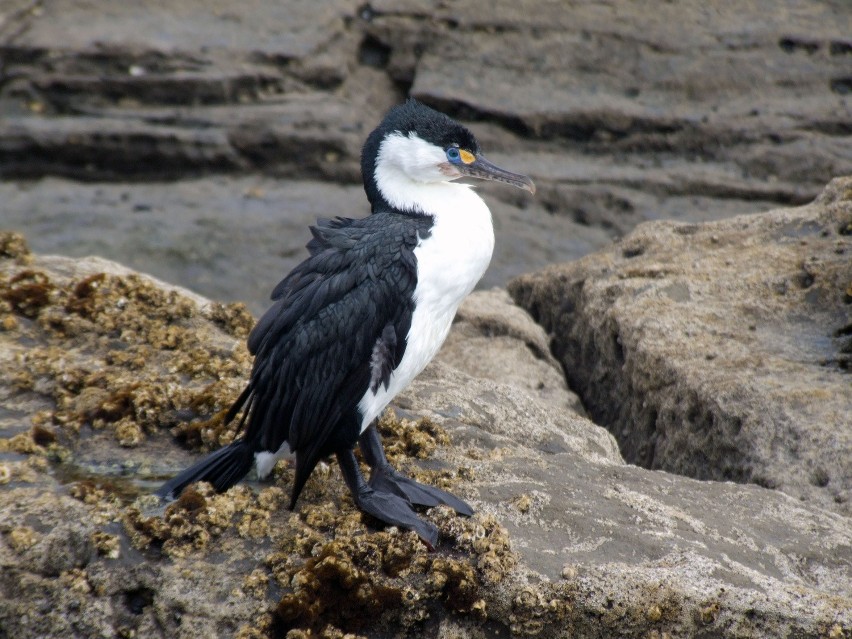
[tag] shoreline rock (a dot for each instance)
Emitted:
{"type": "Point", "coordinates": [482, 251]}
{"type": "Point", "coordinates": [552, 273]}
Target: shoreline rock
{"type": "Point", "coordinates": [150, 136]}
{"type": "Point", "coordinates": [567, 541]}
{"type": "Point", "coordinates": [718, 351]}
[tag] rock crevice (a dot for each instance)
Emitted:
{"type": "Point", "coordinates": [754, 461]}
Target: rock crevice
{"type": "Point", "coordinates": [716, 351]}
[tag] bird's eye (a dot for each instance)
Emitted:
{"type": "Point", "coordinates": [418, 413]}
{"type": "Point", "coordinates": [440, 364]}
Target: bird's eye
{"type": "Point", "coordinates": [453, 155]}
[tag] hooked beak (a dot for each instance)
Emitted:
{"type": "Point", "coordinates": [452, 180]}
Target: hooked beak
{"type": "Point", "coordinates": [483, 169]}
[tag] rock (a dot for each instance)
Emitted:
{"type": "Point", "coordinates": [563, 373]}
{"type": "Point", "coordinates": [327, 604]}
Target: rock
{"type": "Point", "coordinates": [567, 539]}
{"type": "Point", "coordinates": [644, 551]}
{"type": "Point", "coordinates": [197, 232]}
{"type": "Point", "coordinates": [188, 89]}
{"type": "Point", "coordinates": [627, 118]}
{"type": "Point", "coordinates": [719, 351]}
{"type": "Point", "coordinates": [494, 339]}
{"type": "Point", "coordinates": [618, 116]}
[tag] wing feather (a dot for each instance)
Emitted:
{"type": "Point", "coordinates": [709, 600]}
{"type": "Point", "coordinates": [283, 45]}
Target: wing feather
{"type": "Point", "coordinates": [314, 348]}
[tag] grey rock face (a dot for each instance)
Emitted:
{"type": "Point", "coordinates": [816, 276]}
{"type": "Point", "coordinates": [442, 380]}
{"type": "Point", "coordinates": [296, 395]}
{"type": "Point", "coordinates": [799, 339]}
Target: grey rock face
{"type": "Point", "coordinates": [641, 551]}
{"type": "Point", "coordinates": [495, 339]}
{"type": "Point", "coordinates": [601, 548]}
{"type": "Point", "coordinates": [197, 232]}
{"type": "Point", "coordinates": [620, 114]}
{"type": "Point", "coordinates": [719, 351]}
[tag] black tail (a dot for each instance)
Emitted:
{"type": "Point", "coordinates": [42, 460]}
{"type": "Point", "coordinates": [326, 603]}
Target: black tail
{"type": "Point", "coordinates": [223, 469]}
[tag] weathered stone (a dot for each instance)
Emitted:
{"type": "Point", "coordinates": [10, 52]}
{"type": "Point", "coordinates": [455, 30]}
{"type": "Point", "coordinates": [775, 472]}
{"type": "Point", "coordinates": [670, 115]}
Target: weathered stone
{"type": "Point", "coordinates": [719, 351]}
{"type": "Point", "coordinates": [567, 540]}
{"type": "Point", "coordinates": [200, 232]}
{"type": "Point", "coordinates": [617, 115]}
{"type": "Point", "coordinates": [649, 120]}
{"type": "Point", "coordinates": [178, 231]}
{"type": "Point", "coordinates": [645, 551]}
{"type": "Point", "coordinates": [494, 339]}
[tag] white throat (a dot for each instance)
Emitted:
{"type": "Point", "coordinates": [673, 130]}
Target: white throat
{"type": "Point", "coordinates": [412, 173]}
{"type": "Point", "coordinates": [450, 261]}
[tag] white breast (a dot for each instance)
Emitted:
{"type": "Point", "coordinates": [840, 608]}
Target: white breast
{"type": "Point", "coordinates": [449, 264]}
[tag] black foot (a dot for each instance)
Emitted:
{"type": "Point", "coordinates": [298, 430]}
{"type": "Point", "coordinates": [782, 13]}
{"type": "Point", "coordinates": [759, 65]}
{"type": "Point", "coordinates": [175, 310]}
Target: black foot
{"type": "Point", "coordinates": [387, 480]}
{"type": "Point", "coordinates": [387, 507]}
{"type": "Point", "coordinates": [396, 511]}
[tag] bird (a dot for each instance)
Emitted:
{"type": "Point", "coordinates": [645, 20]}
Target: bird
{"type": "Point", "coordinates": [354, 323]}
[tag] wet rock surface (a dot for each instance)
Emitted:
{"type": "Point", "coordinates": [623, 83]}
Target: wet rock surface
{"type": "Point", "coordinates": [568, 540]}
{"type": "Point", "coordinates": [618, 115]}
{"type": "Point", "coordinates": [719, 351]}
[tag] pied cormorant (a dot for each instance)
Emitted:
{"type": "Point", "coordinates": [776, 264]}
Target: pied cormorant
{"type": "Point", "coordinates": [353, 325]}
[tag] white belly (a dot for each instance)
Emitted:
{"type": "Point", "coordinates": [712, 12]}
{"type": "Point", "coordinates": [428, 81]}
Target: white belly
{"type": "Point", "coordinates": [449, 264]}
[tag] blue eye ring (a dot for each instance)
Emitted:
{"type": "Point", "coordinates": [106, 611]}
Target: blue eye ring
{"type": "Point", "coordinates": [453, 155]}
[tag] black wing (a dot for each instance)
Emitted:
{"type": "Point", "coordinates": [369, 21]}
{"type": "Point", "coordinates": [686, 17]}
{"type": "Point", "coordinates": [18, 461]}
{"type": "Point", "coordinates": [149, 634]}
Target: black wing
{"type": "Point", "coordinates": [350, 300]}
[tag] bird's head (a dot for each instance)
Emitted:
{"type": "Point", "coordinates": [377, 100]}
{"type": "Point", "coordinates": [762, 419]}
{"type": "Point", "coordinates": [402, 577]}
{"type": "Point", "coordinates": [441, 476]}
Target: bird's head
{"type": "Point", "coordinates": [418, 145]}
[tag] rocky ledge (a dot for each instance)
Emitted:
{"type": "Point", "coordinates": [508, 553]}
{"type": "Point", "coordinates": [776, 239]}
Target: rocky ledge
{"type": "Point", "coordinates": [187, 126]}
{"type": "Point", "coordinates": [111, 380]}
{"type": "Point", "coordinates": [719, 351]}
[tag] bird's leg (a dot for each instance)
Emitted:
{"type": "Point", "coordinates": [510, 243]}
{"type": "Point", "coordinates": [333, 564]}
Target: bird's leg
{"type": "Point", "coordinates": [386, 479]}
{"type": "Point", "coordinates": [387, 507]}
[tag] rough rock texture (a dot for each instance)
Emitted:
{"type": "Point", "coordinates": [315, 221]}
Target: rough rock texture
{"type": "Point", "coordinates": [719, 351]}
{"type": "Point", "coordinates": [620, 114]}
{"type": "Point", "coordinates": [495, 339]}
{"type": "Point", "coordinates": [639, 551]}
{"type": "Point", "coordinates": [568, 541]}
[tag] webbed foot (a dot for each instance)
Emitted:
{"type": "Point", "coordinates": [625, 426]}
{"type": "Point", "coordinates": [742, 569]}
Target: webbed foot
{"type": "Point", "coordinates": [387, 480]}
{"type": "Point", "coordinates": [397, 511]}
{"type": "Point", "coordinates": [388, 507]}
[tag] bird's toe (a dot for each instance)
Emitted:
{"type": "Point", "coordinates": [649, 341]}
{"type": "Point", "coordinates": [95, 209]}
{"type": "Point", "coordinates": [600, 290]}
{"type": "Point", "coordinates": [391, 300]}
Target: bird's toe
{"type": "Point", "coordinates": [388, 480]}
{"type": "Point", "coordinates": [396, 511]}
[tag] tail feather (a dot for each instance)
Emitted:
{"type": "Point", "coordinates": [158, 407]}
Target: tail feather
{"type": "Point", "coordinates": [237, 406]}
{"type": "Point", "coordinates": [222, 468]}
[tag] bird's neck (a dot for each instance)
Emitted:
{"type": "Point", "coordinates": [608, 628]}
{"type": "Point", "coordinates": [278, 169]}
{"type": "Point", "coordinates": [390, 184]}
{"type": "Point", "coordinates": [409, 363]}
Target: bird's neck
{"type": "Point", "coordinates": [397, 191]}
